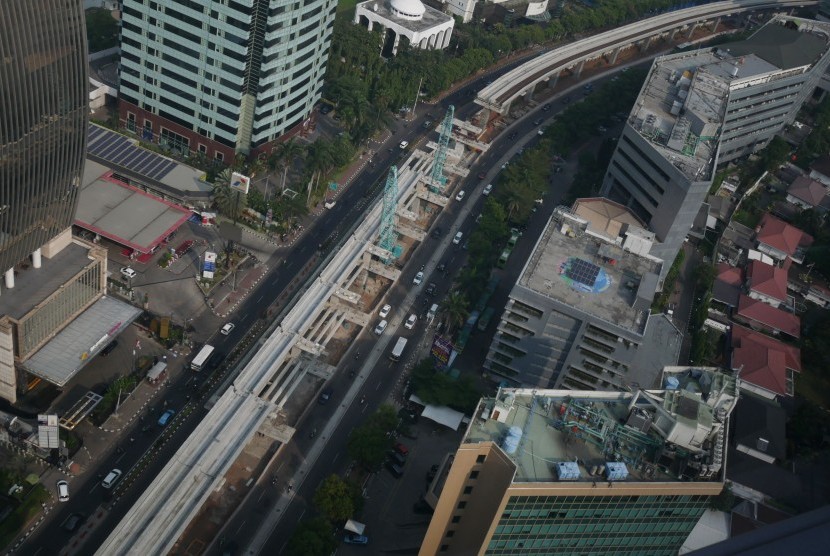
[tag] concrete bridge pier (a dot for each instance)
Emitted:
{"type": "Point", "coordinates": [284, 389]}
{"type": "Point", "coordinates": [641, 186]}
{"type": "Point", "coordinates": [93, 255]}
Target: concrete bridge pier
{"type": "Point", "coordinates": [578, 71]}
{"type": "Point", "coordinates": [674, 33]}
{"type": "Point", "coordinates": [715, 24]}
{"type": "Point", "coordinates": [645, 44]}
{"type": "Point", "coordinates": [554, 79]}
{"type": "Point", "coordinates": [615, 55]}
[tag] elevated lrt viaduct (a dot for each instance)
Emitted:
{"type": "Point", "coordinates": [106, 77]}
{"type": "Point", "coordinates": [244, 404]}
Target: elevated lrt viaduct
{"type": "Point", "coordinates": [522, 81]}
{"type": "Point", "coordinates": [293, 349]}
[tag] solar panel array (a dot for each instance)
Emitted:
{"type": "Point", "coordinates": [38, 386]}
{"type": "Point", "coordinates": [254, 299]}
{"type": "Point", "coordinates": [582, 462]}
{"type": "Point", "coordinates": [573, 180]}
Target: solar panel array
{"type": "Point", "coordinates": [582, 272]}
{"type": "Point", "coordinates": [118, 150]}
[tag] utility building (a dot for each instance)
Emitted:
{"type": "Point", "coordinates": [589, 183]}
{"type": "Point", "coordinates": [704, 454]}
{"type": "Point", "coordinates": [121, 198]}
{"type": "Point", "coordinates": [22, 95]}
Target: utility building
{"type": "Point", "coordinates": [220, 78]}
{"type": "Point", "coordinates": [584, 472]}
{"type": "Point", "coordinates": [701, 109]}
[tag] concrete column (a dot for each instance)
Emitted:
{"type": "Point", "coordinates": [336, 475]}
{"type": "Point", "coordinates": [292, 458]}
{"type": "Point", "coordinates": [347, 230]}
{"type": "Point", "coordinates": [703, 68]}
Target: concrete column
{"type": "Point", "coordinates": [432, 40]}
{"type": "Point", "coordinates": [692, 30]}
{"type": "Point", "coordinates": [396, 43]}
{"type": "Point", "coordinates": [423, 43]}
{"type": "Point", "coordinates": [715, 24]}
{"type": "Point", "coordinates": [36, 258]}
{"type": "Point", "coordinates": [579, 67]}
{"type": "Point", "coordinates": [673, 33]}
{"type": "Point", "coordinates": [615, 55]}
{"type": "Point", "coordinates": [10, 278]}
{"type": "Point", "coordinates": [645, 44]}
{"type": "Point", "coordinates": [554, 79]}
{"type": "Point", "coordinates": [447, 37]}
{"type": "Point", "coordinates": [529, 93]}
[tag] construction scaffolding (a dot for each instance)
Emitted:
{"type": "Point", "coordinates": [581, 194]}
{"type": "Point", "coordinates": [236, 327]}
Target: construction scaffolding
{"type": "Point", "coordinates": [388, 236]}
{"type": "Point", "coordinates": [437, 180]}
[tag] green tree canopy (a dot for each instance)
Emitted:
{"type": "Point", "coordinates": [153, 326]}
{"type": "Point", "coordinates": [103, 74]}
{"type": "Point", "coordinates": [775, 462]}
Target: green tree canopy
{"type": "Point", "coordinates": [337, 499]}
{"type": "Point", "coordinates": [313, 537]}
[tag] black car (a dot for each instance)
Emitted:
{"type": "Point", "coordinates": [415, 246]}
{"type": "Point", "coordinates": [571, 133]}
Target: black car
{"type": "Point", "coordinates": [396, 470]}
{"type": "Point", "coordinates": [396, 458]}
{"type": "Point", "coordinates": [566, 100]}
{"type": "Point", "coordinates": [436, 233]}
{"type": "Point", "coordinates": [537, 122]}
{"type": "Point", "coordinates": [441, 267]}
{"type": "Point", "coordinates": [73, 522]}
{"type": "Point", "coordinates": [431, 288]}
{"type": "Point", "coordinates": [325, 109]}
{"type": "Point", "coordinates": [546, 107]}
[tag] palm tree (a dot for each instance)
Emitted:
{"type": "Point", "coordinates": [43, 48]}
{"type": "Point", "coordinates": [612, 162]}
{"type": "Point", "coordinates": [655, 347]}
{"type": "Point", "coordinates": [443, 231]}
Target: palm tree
{"type": "Point", "coordinates": [229, 202]}
{"type": "Point", "coordinates": [283, 157]}
{"type": "Point", "coordinates": [454, 309]}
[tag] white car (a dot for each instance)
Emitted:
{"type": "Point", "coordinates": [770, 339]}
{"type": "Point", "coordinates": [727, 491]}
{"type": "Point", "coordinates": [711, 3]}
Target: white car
{"type": "Point", "coordinates": [487, 189]}
{"type": "Point", "coordinates": [418, 279]}
{"type": "Point", "coordinates": [128, 273]}
{"type": "Point", "coordinates": [381, 327]}
{"type": "Point", "coordinates": [410, 322]}
{"type": "Point", "coordinates": [404, 144]}
{"type": "Point", "coordinates": [460, 196]}
{"type": "Point", "coordinates": [457, 239]}
{"type": "Point", "coordinates": [228, 328]}
{"type": "Point", "coordinates": [384, 312]}
{"type": "Point", "coordinates": [63, 491]}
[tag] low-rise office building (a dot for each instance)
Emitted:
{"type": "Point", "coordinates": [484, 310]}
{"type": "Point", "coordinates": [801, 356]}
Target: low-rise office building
{"type": "Point", "coordinates": [579, 314]}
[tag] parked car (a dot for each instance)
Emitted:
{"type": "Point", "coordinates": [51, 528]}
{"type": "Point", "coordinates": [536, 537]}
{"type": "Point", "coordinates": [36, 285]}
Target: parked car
{"type": "Point", "coordinates": [537, 122]}
{"type": "Point", "coordinates": [410, 322]}
{"type": "Point", "coordinates": [63, 491]}
{"type": "Point", "coordinates": [457, 239]}
{"type": "Point", "coordinates": [228, 328]}
{"type": "Point", "coordinates": [354, 538]}
{"type": "Point", "coordinates": [128, 273]}
{"type": "Point", "coordinates": [546, 107]}
{"type": "Point", "coordinates": [402, 449]}
{"type": "Point", "coordinates": [110, 347]}
{"type": "Point", "coordinates": [396, 470]}
{"type": "Point", "coordinates": [460, 196]}
{"type": "Point", "coordinates": [384, 312]}
{"type": "Point", "coordinates": [431, 288]}
{"type": "Point", "coordinates": [325, 109]}
{"type": "Point", "coordinates": [436, 233]}
{"type": "Point", "coordinates": [397, 458]}
{"type": "Point", "coordinates": [404, 144]}
{"type": "Point", "coordinates": [418, 279]}
{"type": "Point", "coordinates": [381, 327]}
{"type": "Point", "coordinates": [487, 189]}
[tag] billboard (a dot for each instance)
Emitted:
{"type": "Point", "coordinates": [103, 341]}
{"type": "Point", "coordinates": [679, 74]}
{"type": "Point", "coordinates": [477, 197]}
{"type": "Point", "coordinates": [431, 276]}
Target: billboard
{"type": "Point", "coordinates": [441, 348]}
{"type": "Point", "coordinates": [210, 264]}
{"type": "Point", "coordinates": [47, 431]}
{"type": "Point", "coordinates": [240, 183]}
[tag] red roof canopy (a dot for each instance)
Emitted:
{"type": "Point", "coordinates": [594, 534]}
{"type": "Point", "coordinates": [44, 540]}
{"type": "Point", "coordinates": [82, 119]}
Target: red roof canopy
{"type": "Point", "coordinates": [763, 361]}
{"type": "Point", "coordinates": [780, 235]}
{"type": "Point", "coordinates": [758, 311]}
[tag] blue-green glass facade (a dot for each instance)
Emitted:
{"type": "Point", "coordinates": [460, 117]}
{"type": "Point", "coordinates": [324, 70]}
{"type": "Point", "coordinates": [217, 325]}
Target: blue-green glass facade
{"type": "Point", "coordinates": [596, 525]}
{"type": "Point", "coordinates": [240, 73]}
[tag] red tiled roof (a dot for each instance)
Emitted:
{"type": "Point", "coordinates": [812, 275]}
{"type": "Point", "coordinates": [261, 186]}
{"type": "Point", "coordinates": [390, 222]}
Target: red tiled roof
{"type": "Point", "coordinates": [767, 279]}
{"type": "Point", "coordinates": [808, 190]}
{"type": "Point", "coordinates": [763, 360]}
{"type": "Point", "coordinates": [729, 274]}
{"type": "Point", "coordinates": [753, 309]}
{"type": "Point", "coordinates": [780, 235]}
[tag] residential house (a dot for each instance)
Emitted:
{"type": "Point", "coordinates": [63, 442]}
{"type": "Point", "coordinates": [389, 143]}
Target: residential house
{"type": "Point", "coordinates": [765, 366]}
{"type": "Point", "coordinates": [767, 283]}
{"type": "Point", "coordinates": [780, 240]}
{"type": "Point", "coordinates": [806, 193]}
{"type": "Point", "coordinates": [760, 316]}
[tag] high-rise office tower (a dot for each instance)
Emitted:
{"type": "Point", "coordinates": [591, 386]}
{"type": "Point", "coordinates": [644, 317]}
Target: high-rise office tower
{"type": "Point", "coordinates": [585, 472]}
{"type": "Point", "coordinates": [50, 278]}
{"type": "Point", "coordinates": [220, 78]}
{"type": "Point", "coordinates": [701, 109]}
{"type": "Point", "coordinates": [43, 115]}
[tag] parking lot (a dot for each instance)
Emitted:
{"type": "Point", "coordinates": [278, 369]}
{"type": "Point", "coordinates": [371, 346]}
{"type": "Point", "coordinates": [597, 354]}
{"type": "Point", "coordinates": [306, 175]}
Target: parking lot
{"type": "Point", "coordinates": [392, 523]}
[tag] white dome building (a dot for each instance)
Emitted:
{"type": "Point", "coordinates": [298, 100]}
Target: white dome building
{"type": "Point", "coordinates": [423, 26]}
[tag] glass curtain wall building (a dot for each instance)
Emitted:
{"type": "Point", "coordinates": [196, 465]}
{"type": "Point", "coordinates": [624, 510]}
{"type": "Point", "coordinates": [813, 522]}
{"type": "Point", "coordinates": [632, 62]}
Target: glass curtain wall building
{"type": "Point", "coordinates": [43, 116]}
{"type": "Point", "coordinates": [571, 472]}
{"type": "Point", "coordinates": [220, 78]}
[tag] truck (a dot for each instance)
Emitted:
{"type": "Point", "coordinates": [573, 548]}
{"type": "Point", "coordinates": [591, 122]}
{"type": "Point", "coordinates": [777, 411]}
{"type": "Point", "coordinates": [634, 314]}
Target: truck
{"type": "Point", "coordinates": [397, 351]}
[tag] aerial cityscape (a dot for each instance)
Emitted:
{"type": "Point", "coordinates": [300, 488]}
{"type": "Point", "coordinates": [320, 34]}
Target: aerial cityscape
{"type": "Point", "coordinates": [468, 277]}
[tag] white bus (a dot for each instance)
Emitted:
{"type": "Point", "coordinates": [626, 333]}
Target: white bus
{"type": "Point", "coordinates": [201, 358]}
{"type": "Point", "coordinates": [398, 350]}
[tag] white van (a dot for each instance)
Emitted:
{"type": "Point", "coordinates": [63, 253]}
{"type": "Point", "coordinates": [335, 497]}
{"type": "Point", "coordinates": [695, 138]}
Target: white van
{"type": "Point", "coordinates": [460, 195]}
{"type": "Point", "coordinates": [111, 478]}
{"type": "Point", "coordinates": [381, 327]}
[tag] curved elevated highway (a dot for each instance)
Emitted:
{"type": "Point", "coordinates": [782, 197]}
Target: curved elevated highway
{"type": "Point", "coordinates": [503, 91]}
